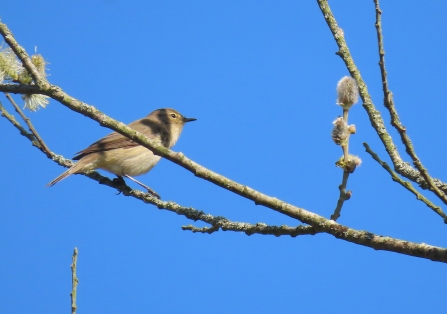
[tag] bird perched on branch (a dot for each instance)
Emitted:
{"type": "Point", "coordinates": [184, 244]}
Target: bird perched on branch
{"type": "Point", "coordinates": [125, 158]}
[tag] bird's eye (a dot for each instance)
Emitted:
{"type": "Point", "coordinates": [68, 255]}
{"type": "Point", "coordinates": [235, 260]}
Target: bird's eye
{"type": "Point", "coordinates": [173, 115]}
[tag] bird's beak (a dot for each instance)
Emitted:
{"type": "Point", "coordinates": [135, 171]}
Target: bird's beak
{"type": "Point", "coordinates": [189, 119]}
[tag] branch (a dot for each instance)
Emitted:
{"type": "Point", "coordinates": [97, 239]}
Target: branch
{"type": "Point", "coordinates": [395, 121]}
{"type": "Point", "coordinates": [320, 223]}
{"type": "Point", "coordinates": [375, 118]}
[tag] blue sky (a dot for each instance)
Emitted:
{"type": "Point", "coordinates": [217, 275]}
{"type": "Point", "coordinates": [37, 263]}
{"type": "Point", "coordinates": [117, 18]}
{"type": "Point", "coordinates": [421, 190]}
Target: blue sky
{"type": "Point", "coordinates": [260, 77]}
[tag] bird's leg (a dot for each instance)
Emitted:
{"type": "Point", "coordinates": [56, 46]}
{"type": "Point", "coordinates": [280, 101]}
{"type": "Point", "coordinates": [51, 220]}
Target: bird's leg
{"type": "Point", "coordinates": [144, 186]}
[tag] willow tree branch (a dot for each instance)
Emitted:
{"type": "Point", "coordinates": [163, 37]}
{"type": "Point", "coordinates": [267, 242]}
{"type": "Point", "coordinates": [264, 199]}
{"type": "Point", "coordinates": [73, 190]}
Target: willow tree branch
{"type": "Point", "coordinates": [74, 281]}
{"type": "Point", "coordinates": [401, 167]}
{"type": "Point", "coordinates": [405, 184]}
{"type": "Point", "coordinates": [320, 223]}
{"type": "Point", "coordinates": [395, 121]}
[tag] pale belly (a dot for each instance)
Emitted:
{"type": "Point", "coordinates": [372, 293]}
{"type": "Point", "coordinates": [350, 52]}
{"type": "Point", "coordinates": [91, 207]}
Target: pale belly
{"type": "Point", "coordinates": [132, 161]}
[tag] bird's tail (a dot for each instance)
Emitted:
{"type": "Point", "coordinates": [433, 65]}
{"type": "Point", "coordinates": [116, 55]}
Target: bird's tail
{"type": "Point", "coordinates": [73, 169]}
{"type": "Point", "coordinates": [61, 177]}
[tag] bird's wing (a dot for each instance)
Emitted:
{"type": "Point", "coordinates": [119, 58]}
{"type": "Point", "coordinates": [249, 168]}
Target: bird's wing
{"type": "Point", "coordinates": [115, 140]}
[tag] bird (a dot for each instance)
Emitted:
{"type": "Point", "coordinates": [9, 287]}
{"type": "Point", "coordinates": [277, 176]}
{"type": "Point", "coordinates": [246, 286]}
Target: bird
{"type": "Point", "coordinates": [123, 157]}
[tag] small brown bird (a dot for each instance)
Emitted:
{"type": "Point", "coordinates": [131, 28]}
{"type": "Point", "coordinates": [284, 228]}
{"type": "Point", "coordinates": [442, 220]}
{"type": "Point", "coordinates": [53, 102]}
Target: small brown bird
{"type": "Point", "coordinates": [125, 158]}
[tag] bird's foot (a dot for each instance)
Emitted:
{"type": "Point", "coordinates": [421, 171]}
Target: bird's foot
{"type": "Point", "coordinates": [153, 192]}
{"type": "Point", "coordinates": [120, 182]}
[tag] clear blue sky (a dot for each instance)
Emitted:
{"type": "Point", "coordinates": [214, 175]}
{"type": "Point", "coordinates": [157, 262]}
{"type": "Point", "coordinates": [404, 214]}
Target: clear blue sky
{"type": "Point", "coordinates": [260, 78]}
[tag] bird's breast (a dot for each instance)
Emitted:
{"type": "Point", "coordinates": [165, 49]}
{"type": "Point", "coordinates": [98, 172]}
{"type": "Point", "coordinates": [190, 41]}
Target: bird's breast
{"type": "Point", "coordinates": [133, 161]}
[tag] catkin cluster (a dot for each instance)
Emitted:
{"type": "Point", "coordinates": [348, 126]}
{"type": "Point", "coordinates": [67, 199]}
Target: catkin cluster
{"type": "Point", "coordinates": [11, 69]}
{"type": "Point", "coordinates": [347, 96]}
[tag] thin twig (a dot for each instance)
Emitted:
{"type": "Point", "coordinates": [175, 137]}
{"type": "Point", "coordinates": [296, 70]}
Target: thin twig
{"type": "Point", "coordinates": [405, 184]}
{"type": "Point", "coordinates": [395, 121]}
{"type": "Point", "coordinates": [46, 150]}
{"type": "Point", "coordinates": [344, 195]}
{"type": "Point", "coordinates": [74, 281]}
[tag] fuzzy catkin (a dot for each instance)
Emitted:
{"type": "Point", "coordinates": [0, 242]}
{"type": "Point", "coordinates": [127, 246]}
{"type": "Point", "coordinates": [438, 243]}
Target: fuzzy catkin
{"type": "Point", "coordinates": [347, 92]}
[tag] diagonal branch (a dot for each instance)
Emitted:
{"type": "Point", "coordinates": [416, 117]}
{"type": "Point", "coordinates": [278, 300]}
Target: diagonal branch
{"type": "Point", "coordinates": [395, 121]}
{"type": "Point", "coordinates": [374, 115]}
